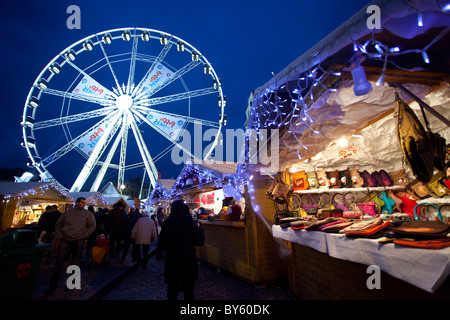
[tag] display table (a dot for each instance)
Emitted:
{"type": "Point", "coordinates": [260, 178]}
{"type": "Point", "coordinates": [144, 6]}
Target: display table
{"type": "Point", "coordinates": [423, 268]}
{"type": "Point", "coordinates": [247, 250]}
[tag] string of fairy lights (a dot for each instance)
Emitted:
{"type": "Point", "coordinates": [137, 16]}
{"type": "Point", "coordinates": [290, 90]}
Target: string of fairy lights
{"type": "Point", "coordinates": [35, 192]}
{"type": "Point", "coordinates": [268, 109]}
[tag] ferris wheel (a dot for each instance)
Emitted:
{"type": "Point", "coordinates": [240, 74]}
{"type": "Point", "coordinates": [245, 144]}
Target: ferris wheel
{"type": "Point", "coordinates": [118, 101]}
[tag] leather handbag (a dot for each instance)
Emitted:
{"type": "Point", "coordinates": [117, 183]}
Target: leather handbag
{"type": "Point", "coordinates": [369, 208]}
{"type": "Point", "coordinates": [324, 182]}
{"type": "Point", "coordinates": [343, 204]}
{"type": "Point", "coordinates": [408, 203]}
{"type": "Point", "coordinates": [399, 177]}
{"type": "Point", "coordinates": [417, 211]}
{"type": "Point", "coordinates": [346, 179]}
{"type": "Point", "coordinates": [312, 180]}
{"type": "Point", "coordinates": [310, 204]}
{"type": "Point", "coordinates": [357, 180]}
{"type": "Point", "coordinates": [299, 180]}
{"type": "Point", "coordinates": [435, 186]}
{"type": "Point", "coordinates": [333, 177]}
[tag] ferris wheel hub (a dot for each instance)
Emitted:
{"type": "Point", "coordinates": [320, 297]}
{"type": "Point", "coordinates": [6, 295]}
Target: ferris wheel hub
{"type": "Point", "coordinates": [124, 101]}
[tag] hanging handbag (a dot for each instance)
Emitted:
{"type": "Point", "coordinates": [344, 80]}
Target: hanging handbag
{"type": "Point", "coordinates": [357, 181]}
{"type": "Point", "coordinates": [408, 203]}
{"type": "Point", "coordinates": [420, 189]}
{"type": "Point", "coordinates": [325, 201]}
{"type": "Point", "coordinates": [374, 198]}
{"type": "Point", "coordinates": [312, 180]}
{"type": "Point", "coordinates": [346, 179]}
{"type": "Point", "coordinates": [368, 179]}
{"type": "Point", "coordinates": [307, 205]}
{"type": "Point", "coordinates": [399, 177]}
{"type": "Point", "coordinates": [435, 186]}
{"type": "Point", "coordinates": [388, 205]}
{"type": "Point", "coordinates": [417, 212]}
{"type": "Point", "coordinates": [343, 204]}
{"type": "Point", "coordinates": [353, 207]}
{"type": "Point", "coordinates": [299, 180]}
{"type": "Point", "coordinates": [398, 202]}
{"type": "Point", "coordinates": [324, 183]}
{"type": "Point", "coordinates": [369, 208]}
{"type": "Point", "coordinates": [333, 177]}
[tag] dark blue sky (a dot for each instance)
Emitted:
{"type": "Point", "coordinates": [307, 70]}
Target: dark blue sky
{"type": "Point", "coordinates": [244, 40]}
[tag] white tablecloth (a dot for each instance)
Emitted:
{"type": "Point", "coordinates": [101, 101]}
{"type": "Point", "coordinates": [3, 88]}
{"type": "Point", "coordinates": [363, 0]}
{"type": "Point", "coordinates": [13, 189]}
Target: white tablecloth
{"type": "Point", "coordinates": [423, 268]}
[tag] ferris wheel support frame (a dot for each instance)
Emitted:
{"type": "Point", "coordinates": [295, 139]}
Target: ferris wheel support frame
{"type": "Point", "coordinates": [63, 58]}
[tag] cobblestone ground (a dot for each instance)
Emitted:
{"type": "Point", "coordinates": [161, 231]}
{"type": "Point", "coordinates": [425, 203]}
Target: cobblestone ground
{"type": "Point", "coordinates": [148, 284]}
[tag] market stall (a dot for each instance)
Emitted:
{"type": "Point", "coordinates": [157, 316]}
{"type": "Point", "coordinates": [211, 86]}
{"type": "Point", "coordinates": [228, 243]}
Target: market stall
{"type": "Point", "coordinates": [23, 203]}
{"type": "Point", "coordinates": [337, 114]}
{"type": "Point", "coordinates": [159, 196]}
{"type": "Point", "coordinates": [235, 241]}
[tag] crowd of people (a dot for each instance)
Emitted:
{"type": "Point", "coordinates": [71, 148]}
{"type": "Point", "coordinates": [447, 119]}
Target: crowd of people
{"type": "Point", "coordinates": [116, 231]}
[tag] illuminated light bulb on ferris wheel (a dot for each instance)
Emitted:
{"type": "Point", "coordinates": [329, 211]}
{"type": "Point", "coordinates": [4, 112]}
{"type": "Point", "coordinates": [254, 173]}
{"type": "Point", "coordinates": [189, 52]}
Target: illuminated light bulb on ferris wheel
{"type": "Point", "coordinates": [34, 102]}
{"type": "Point", "coordinates": [163, 39]}
{"type": "Point", "coordinates": [180, 46]}
{"type": "Point", "coordinates": [106, 38]}
{"type": "Point", "coordinates": [145, 35]}
{"type": "Point", "coordinates": [88, 45]}
{"type": "Point", "coordinates": [55, 68]}
{"type": "Point", "coordinates": [70, 54]}
{"type": "Point", "coordinates": [126, 35]}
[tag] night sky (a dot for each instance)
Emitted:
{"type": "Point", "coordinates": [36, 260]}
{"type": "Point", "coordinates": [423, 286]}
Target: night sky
{"type": "Point", "coordinates": [245, 41]}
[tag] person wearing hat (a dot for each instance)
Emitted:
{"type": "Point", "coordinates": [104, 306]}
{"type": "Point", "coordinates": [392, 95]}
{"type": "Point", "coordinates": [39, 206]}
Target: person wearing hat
{"type": "Point", "coordinates": [143, 233]}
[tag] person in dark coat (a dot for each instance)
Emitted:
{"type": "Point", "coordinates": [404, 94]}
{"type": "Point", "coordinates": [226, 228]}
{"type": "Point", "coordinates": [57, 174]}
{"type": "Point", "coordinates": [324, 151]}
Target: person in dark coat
{"type": "Point", "coordinates": [177, 237]}
{"type": "Point", "coordinates": [127, 227]}
{"type": "Point", "coordinates": [117, 216]}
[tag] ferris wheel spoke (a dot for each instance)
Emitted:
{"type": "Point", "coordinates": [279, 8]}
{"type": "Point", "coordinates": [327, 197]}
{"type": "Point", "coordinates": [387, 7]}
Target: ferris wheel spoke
{"type": "Point", "coordinates": [123, 151]}
{"type": "Point", "coordinates": [148, 161]}
{"type": "Point", "coordinates": [189, 119]}
{"type": "Point", "coordinates": [132, 62]}
{"type": "Point", "coordinates": [98, 180]}
{"type": "Point", "coordinates": [109, 64]}
{"type": "Point", "coordinates": [78, 96]}
{"type": "Point", "coordinates": [165, 135]}
{"type": "Point", "coordinates": [72, 118]}
{"type": "Point", "coordinates": [69, 146]}
{"type": "Point", "coordinates": [92, 82]}
{"type": "Point", "coordinates": [162, 54]}
{"type": "Point", "coordinates": [103, 142]}
{"type": "Point", "coordinates": [176, 97]}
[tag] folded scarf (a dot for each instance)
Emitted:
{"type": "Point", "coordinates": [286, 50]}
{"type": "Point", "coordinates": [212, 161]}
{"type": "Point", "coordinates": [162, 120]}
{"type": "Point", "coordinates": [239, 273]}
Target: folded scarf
{"type": "Point", "coordinates": [321, 222]}
{"type": "Point", "coordinates": [362, 225]}
{"type": "Point", "coordinates": [337, 227]}
{"type": "Point", "coordinates": [425, 244]}
{"type": "Point", "coordinates": [374, 231]}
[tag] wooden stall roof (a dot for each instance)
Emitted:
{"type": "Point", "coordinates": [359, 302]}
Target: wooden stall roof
{"type": "Point", "coordinates": [35, 190]}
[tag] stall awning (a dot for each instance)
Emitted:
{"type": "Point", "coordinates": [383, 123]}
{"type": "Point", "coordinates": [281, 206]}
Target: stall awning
{"type": "Point", "coordinates": [200, 174]}
{"type": "Point", "coordinates": [312, 102]}
{"type": "Point", "coordinates": [35, 190]}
